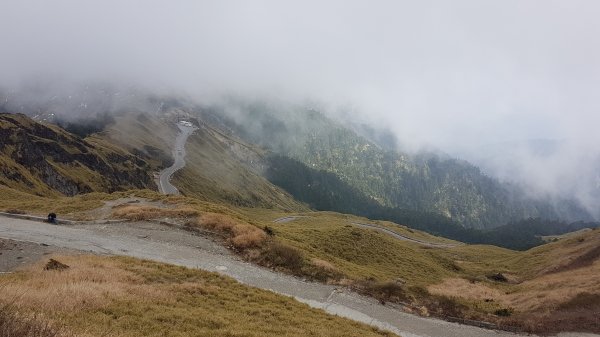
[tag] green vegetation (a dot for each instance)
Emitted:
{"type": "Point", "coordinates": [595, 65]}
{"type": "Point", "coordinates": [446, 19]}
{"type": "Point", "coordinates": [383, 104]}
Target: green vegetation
{"type": "Point", "coordinates": [333, 169]}
{"type": "Point", "coordinates": [424, 183]}
{"type": "Point", "coordinates": [471, 281]}
{"type": "Point", "coordinates": [325, 191]}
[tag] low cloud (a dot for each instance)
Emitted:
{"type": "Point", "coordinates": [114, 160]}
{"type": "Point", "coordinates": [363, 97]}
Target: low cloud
{"type": "Point", "coordinates": [459, 76]}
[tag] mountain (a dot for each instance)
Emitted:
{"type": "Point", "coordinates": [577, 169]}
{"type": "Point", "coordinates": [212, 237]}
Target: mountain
{"type": "Point", "coordinates": [219, 167]}
{"type": "Point", "coordinates": [230, 160]}
{"type": "Point", "coordinates": [44, 159]}
{"type": "Point", "coordinates": [423, 182]}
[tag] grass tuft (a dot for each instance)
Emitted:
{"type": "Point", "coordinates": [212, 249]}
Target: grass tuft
{"type": "Point", "coordinates": [141, 213]}
{"type": "Point", "coordinates": [281, 256]}
{"type": "Point", "coordinates": [241, 235]}
{"type": "Point", "coordinates": [16, 324]}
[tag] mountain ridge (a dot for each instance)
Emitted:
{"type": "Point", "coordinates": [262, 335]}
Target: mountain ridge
{"type": "Point", "coordinates": [420, 182]}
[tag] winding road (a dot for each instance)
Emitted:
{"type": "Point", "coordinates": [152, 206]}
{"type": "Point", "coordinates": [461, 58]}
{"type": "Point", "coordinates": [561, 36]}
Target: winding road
{"type": "Point", "coordinates": [164, 179]}
{"type": "Point", "coordinates": [152, 241]}
{"type": "Point", "coordinates": [402, 237]}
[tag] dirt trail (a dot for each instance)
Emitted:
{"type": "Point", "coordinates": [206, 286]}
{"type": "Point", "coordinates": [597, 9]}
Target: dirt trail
{"type": "Point", "coordinates": [176, 246]}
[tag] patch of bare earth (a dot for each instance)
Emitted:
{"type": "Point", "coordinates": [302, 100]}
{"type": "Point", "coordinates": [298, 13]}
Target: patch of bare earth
{"type": "Point", "coordinates": [16, 254]}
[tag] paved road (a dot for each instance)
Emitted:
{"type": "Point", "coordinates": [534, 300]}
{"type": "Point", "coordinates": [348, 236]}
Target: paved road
{"type": "Point", "coordinates": [402, 237]}
{"type": "Point", "coordinates": [171, 245]}
{"type": "Point", "coordinates": [164, 179]}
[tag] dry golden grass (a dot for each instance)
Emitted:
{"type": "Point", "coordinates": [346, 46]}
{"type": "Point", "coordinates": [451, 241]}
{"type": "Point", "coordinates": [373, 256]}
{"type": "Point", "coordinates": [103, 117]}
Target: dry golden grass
{"type": "Point", "coordinates": [539, 294]}
{"type": "Point", "coordinates": [242, 235]}
{"type": "Point", "coordinates": [16, 324]}
{"type": "Point", "coordinates": [325, 247]}
{"type": "Point", "coordinates": [557, 256]}
{"type": "Point", "coordinates": [458, 287]}
{"type": "Point", "coordinates": [549, 291]}
{"type": "Point", "coordinates": [322, 264]}
{"type": "Point", "coordinates": [90, 283]}
{"type": "Point", "coordinates": [140, 213]}
{"type": "Point", "coordinates": [558, 281]}
{"type": "Point", "coordinates": [116, 296]}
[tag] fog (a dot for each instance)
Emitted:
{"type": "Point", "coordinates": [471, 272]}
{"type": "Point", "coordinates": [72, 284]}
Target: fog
{"type": "Point", "coordinates": [460, 76]}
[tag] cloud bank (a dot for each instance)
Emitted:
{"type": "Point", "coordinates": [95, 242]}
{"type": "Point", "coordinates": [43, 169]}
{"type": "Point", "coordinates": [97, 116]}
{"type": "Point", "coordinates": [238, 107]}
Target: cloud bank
{"type": "Point", "coordinates": [460, 76]}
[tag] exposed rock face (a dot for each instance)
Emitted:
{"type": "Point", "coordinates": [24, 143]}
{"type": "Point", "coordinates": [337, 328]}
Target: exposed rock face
{"type": "Point", "coordinates": [43, 159]}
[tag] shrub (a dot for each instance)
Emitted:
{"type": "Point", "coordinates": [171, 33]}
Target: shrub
{"type": "Point", "coordinates": [498, 277]}
{"type": "Point", "coordinates": [446, 306]}
{"type": "Point", "coordinates": [505, 312]}
{"type": "Point", "coordinates": [247, 236]}
{"type": "Point", "coordinates": [140, 213]}
{"type": "Point", "coordinates": [269, 231]}
{"type": "Point", "coordinates": [55, 265]}
{"type": "Point", "coordinates": [384, 291]}
{"type": "Point", "coordinates": [279, 255]}
{"type": "Point", "coordinates": [242, 235]}
{"type": "Point", "coordinates": [322, 270]}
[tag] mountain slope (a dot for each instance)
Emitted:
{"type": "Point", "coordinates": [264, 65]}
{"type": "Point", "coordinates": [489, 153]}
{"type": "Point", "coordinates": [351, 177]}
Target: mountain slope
{"type": "Point", "coordinates": [46, 160]}
{"type": "Point", "coordinates": [422, 182]}
{"type": "Point", "coordinates": [219, 168]}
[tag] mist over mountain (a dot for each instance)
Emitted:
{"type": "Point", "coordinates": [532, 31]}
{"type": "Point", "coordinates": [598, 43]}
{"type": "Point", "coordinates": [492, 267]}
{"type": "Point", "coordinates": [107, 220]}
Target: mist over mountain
{"type": "Point", "coordinates": [398, 164]}
{"type": "Point", "coordinates": [545, 168]}
{"type": "Point", "coordinates": [369, 159]}
{"type": "Point", "coordinates": [423, 78]}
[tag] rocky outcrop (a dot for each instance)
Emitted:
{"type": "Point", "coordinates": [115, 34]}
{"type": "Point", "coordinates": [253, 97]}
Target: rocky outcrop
{"type": "Point", "coordinates": [38, 158]}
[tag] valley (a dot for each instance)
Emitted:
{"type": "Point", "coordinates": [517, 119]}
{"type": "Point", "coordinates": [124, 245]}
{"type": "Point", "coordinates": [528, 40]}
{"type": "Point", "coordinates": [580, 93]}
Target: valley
{"type": "Point", "coordinates": [216, 207]}
{"type": "Point", "coordinates": [299, 168]}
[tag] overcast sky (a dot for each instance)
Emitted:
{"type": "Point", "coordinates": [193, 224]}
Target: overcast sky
{"type": "Point", "coordinates": [444, 73]}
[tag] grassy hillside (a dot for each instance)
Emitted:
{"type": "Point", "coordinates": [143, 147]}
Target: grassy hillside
{"type": "Point", "coordinates": [149, 137]}
{"type": "Point", "coordinates": [99, 296]}
{"type": "Point", "coordinates": [44, 159]}
{"type": "Point", "coordinates": [529, 289]}
{"type": "Point", "coordinates": [324, 190]}
{"type": "Point", "coordinates": [219, 168]}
